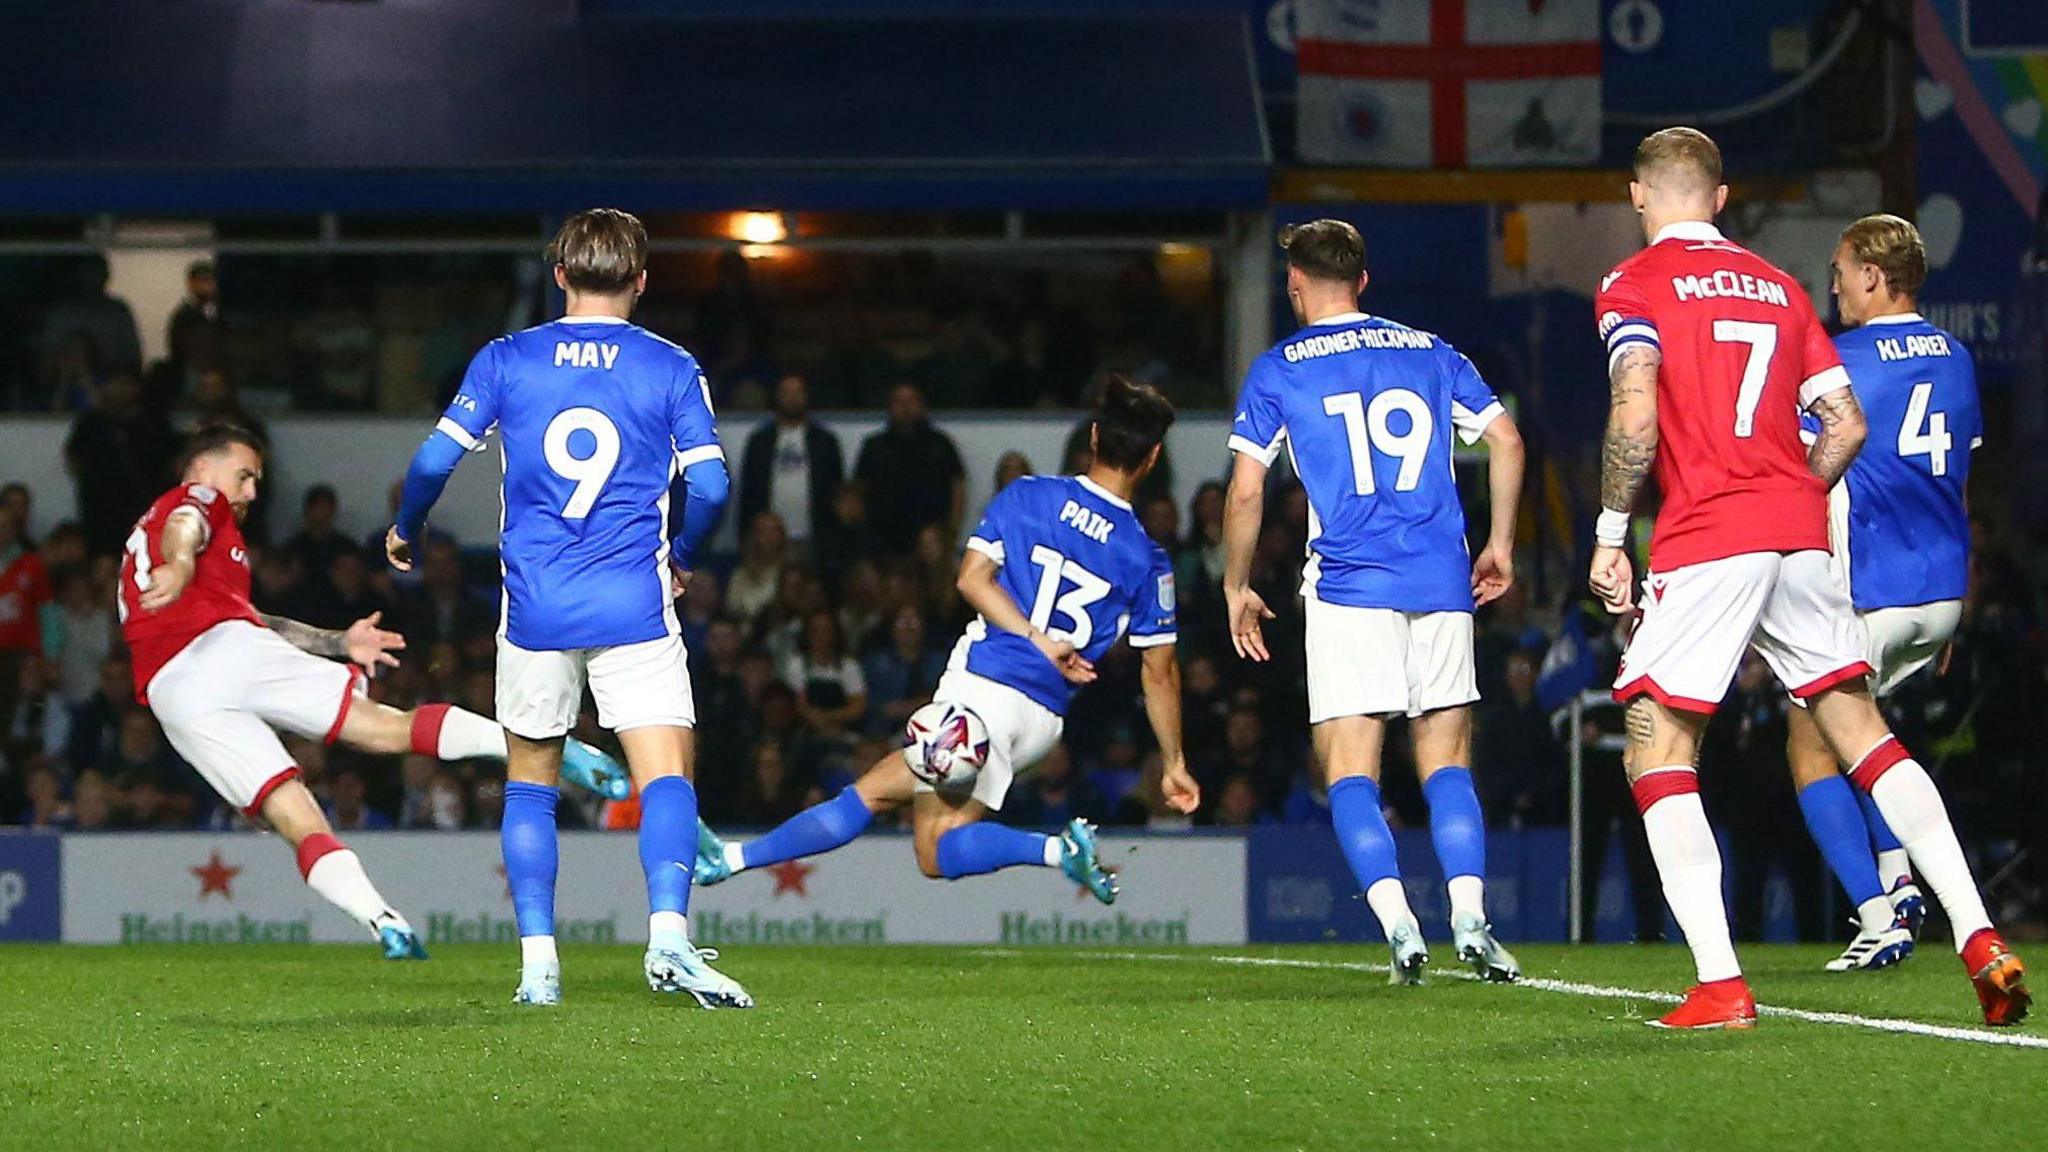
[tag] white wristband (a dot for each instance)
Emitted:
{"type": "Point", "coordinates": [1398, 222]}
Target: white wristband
{"type": "Point", "coordinates": [1611, 529]}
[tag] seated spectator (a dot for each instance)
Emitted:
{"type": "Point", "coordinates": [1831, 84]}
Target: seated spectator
{"type": "Point", "coordinates": [1198, 565]}
{"type": "Point", "coordinates": [346, 807]}
{"type": "Point", "coordinates": [1204, 708]}
{"type": "Point", "coordinates": [420, 805]}
{"type": "Point", "coordinates": [24, 589]}
{"type": "Point", "coordinates": [701, 605]}
{"type": "Point", "coordinates": [936, 566]}
{"type": "Point", "coordinates": [152, 787]}
{"type": "Point", "coordinates": [846, 538]}
{"type": "Point", "coordinates": [1308, 801]}
{"type": "Point", "coordinates": [78, 633]}
{"type": "Point", "coordinates": [96, 725]}
{"type": "Point", "coordinates": [318, 541]}
{"type": "Point", "coordinates": [1517, 760]}
{"type": "Point", "coordinates": [40, 722]}
{"type": "Point", "coordinates": [780, 629]}
{"type": "Point", "coordinates": [901, 677]}
{"type": "Point", "coordinates": [754, 584]}
{"type": "Point", "coordinates": [45, 805]}
{"type": "Point", "coordinates": [487, 801]}
{"type": "Point", "coordinates": [832, 694]}
{"type": "Point", "coordinates": [442, 607]}
{"type": "Point", "coordinates": [18, 501]}
{"type": "Point", "coordinates": [92, 803]}
{"type": "Point", "coordinates": [347, 595]}
{"type": "Point", "coordinates": [1146, 805]}
{"type": "Point", "coordinates": [1010, 467]}
{"type": "Point", "coordinates": [1161, 519]}
{"type": "Point", "coordinates": [1245, 752]}
{"type": "Point", "coordinates": [1238, 805]}
{"type": "Point", "coordinates": [63, 550]}
{"type": "Point", "coordinates": [770, 795]}
{"type": "Point", "coordinates": [860, 607]}
{"type": "Point", "coordinates": [373, 544]}
{"type": "Point", "coordinates": [1053, 795]}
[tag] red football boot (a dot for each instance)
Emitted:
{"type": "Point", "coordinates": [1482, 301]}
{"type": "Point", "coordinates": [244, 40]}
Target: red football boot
{"type": "Point", "coordinates": [1999, 976]}
{"type": "Point", "coordinates": [1716, 1004]}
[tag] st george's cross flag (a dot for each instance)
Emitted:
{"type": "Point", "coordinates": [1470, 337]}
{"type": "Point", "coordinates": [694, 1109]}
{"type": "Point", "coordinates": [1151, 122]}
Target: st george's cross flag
{"type": "Point", "coordinates": [1448, 83]}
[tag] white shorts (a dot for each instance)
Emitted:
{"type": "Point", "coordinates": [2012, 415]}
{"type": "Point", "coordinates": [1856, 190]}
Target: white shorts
{"type": "Point", "coordinates": [635, 685]}
{"type": "Point", "coordinates": [1020, 732]}
{"type": "Point", "coordinates": [1698, 620]}
{"type": "Point", "coordinates": [221, 698]}
{"type": "Point", "coordinates": [1380, 661]}
{"type": "Point", "coordinates": [1902, 641]}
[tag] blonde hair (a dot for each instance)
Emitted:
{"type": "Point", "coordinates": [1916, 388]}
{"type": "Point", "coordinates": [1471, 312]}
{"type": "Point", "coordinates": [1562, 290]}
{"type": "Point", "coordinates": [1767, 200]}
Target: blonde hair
{"type": "Point", "coordinates": [1892, 246]}
{"type": "Point", "coordinates": [1687, 151]}
{"type": "Point", "coordinates": [602, 251]}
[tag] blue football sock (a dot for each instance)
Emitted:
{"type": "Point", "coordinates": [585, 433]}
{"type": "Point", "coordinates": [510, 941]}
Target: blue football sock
{"type": "Point", "coordinates": [1881, 835]}
{"type": "Point", "coordinates": [1455, 823]}
{"type": "Point", "coordinates": [819, 828]}
{"type": "Point", "coordinates": [1829, 805]}
{"type": "Point", "coordinates": [668, 842]}
{"type": "Point", "coordinates": [972, 849]}
{"type": "Point", "coordinates": [1362, 830]}
{"type": "Point", "coordinates": [527, 836]}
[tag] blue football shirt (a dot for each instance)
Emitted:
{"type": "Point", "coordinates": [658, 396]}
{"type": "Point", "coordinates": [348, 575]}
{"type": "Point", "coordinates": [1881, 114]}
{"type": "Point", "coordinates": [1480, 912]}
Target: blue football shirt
{"type": "Point", "coordinates": [1365, 408]}
{"type": "Point", "coordinates": [1080, 566]}
{"type": "Point", "coordinates": [1900, 528]}
{"type": "Point", "coordinates": [595, 416]}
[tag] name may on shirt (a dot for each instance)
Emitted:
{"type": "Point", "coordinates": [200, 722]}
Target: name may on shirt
{"type": "Point", "coordinates": [585, 354]}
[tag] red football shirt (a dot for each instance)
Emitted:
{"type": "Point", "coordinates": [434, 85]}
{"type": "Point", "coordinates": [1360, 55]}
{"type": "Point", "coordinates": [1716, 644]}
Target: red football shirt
{"type": "Point", "coordinates": [1744, 354]}
{"type": "Point", "coordinates": [24, 589]}
{"type": "Point", "coordinates": [219, 589]}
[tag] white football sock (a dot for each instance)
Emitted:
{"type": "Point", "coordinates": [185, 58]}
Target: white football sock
{"type": "Point", "coordinates": [1875, 915]}
{"type": "Point", "coordinates": [669, 931]}
{"type": "Point", "coordinates": [535, 950]}
{"type": "Point", "coordinates": [1389, 902]}
{"type": "Point", "coordinates": [468, 736]}
{"type": "Point", "coordinates": [1912, 806]}
{"type": "Point", "coordinates": [1468, 898]}
{"type": "Point", "coordinates": [735, 856]}
{"type": "Point", "coordinates": [338, 877]}
{"type": "Point", "coordinates": [1893, 865]}
{"type": "Point", "coordinates": [1053, 849]}
{"type": "Point", "coordinates": [1689, 864]}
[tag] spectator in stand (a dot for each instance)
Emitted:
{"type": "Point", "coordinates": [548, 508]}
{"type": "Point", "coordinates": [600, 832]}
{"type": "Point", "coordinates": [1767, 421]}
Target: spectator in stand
{"type": "Point", "coordinates": [96, 724]}
{"type": "Point", "coordinates": [1308, 801]}
{"type": "Point", "coordinates": [38, 723]}
{"type": "Point", "coordinates": [1198, 567]}
{"type": "Point", "coordinates": [1203, 706]}
{"type": "Point", "coordinates": [104, 321]}
{"type": "Point", "coordinates": [1146, 805]}
{"type": "Point", "coordinates": [442, 608]}
{"type": "Point", "coordinates": [92, 803]}
{"type": "Point", "coordinates": [79, 630]}
{"type": "Point", "coordinates": [913, 474]}
{"type": "Point", "coordinates": [17, 499]}
{"type": "Point", "coordinates": [702, 604]}
{"type": "Point", "coordinates": [119, 455]}
{"type": "Point", "coordinates": [1748, 790]}
{"type": "Point", "coordinates": [793, 466]}
{"type": "Point", "coordinates": [24, 589]}
{"type": "Point", "coordinates": [1054, 794]}
{"type": "Point", "coordinates": [45, 805]}
{"type": "Point", "coordinates": [193, 333]}
{"type": "Point", "coordinates": [420, 805]}
{"type": "Point", "coordinates": [832, 694]}
{"type": "Point", "coordinates": [346, 596]}
{"type": "Point", "coordinates": [846, 538]}
{"type": "Point", "coordinates": [1245, 750]}
{"type": "Point", "coordinates": [757, 582]}
{"type": "Point", "coordinates": [901, 677]}
{"type": "Point", "coordinates": [1010, 466]}
{"type": "Point", "coordinates": [63, 551]}
{"type": "Point", "coordinates": [372, 545]}
{"type": "Point", "coordinates": [1161, 518]}
{"type": "Point", "coordinates": [318, 541]}
{"type": "Point", "coordinates": [347, 808]}
{"type": "Point", "coordinates": [771, 795]}
{"type": "Point", "coordinates": [152, 787]}
{"type": "Point", "coordinates": [861, 609]}
{"type": "Point", "coordinates": [1238, 805]}
{"type": "Point", "coordinates": [1518, 762]}
{"type": "Point", "coordinates": [933, 561]}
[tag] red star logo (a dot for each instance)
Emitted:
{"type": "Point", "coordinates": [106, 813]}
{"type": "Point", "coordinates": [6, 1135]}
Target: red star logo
{"type": "Point", "coordinates": [792, 876]}
{"type": "Point", "coordinates": [215, 876]}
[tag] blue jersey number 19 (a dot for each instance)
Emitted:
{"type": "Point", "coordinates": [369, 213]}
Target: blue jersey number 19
{"type": "Point", "coordinates": [1367, 427]}
{"type": "Point", "coordinates": [590, 472]}
{"type": "Point", "coordinates": [1053, 571]}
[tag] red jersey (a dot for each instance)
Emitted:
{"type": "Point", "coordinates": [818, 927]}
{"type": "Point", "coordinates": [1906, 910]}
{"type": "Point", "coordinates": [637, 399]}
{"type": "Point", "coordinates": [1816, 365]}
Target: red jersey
{"type": "Point", "coordinates": [1744, 354]}
{"type": "Point", "coordinates": [219, 589]}
{"type": "Point", "coordinates": [24, 589]}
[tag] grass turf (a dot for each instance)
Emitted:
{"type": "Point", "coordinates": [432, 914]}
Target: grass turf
{"type": "Point", "coordinates": [943, 1048]}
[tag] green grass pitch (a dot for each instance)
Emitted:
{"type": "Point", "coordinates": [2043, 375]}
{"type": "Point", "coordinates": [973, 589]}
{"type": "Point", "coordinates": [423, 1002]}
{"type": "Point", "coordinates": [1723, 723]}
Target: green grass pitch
{"type": "Point", "coordinates": [955, 1048]}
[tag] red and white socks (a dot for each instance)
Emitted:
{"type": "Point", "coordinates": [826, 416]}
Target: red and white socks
{"type": "Point", "coordinates": [337, 875]}
{"type": "Point", "coordinates": [1689, 864]}
{"type": "Point", "coordinates": [446, 732]}
{"type": "Point", "coordinates": [1911, 804]}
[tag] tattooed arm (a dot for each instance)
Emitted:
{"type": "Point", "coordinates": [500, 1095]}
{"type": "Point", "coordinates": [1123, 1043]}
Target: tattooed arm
{"type": "Point", "coordinates": [362, 642]}
{"type": "Point", "coordinates": [1842, 432]}
{"type": "Point", "coordinates": [306, 638]}
{"type": "Point", "coordinates": [1626, 454]}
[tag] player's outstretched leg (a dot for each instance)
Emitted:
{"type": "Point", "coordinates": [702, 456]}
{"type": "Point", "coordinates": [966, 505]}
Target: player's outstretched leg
{"type": "Point", "coordinates": [333, 871]}
{"type": "Point", "coordinates": [819, 828]}
{"type": "Point", "coordinates": [446, 732]}
{"type": "Point", "coordinates": [1912, 806]}
{"type": "Point", "coordinates": [527, 835]}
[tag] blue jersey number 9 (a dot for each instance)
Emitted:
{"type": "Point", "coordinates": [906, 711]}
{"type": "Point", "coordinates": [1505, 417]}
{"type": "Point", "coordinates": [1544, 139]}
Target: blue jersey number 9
{"type": "Point", "coordinates": [589, 472]}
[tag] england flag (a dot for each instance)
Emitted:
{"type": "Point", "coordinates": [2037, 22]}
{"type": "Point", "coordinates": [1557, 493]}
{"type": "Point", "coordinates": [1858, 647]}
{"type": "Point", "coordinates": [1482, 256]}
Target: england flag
{"type": "Point", "coordinates": [1449, 83]}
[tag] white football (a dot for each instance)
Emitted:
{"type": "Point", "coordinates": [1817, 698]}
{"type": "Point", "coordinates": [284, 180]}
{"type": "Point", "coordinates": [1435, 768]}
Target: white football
{"type": "Point", "coordinates": [945, 744]}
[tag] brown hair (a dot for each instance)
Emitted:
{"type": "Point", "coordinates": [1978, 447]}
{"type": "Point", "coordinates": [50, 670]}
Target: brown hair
{"type": "Point", "coordinates": [1325, 250]}
{"type": "Point", "coordinates": [1892, 246]}
{"type": "Point", "coordinates": [1689, 148]}
{"type": "Point", "coordinates": [600, 250]}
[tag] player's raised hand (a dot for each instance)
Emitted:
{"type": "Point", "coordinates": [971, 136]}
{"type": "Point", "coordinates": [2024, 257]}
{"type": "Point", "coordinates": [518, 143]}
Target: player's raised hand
{"type": "Point", "coordinates": [167, 582]}
{"type": "Point", "coordinates": [398, 550]}
{"type": "Point", "coordinates": [1179, 789]}
{"type": "Point", "coordinates": [1076, 668]}
{"type": "Point", "coordinates": [1612, 579]}
{"type": "Point", "coordinates": [1493, 573]}
{"type": "Point", "coordinates": [1247, 608]}
{"type": "Point", "coordinates": [371, 646]}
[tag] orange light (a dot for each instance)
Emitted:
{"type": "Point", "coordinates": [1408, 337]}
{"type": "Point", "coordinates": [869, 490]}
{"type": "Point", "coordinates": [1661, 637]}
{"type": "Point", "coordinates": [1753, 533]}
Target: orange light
{"type": "Point", "coordinates": [758, 227]}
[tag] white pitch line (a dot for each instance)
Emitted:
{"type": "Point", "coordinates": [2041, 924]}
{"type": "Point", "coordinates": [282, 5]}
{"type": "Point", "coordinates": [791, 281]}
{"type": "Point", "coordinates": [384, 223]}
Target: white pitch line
{"type": "Point", "coordinates": [1572, 988]}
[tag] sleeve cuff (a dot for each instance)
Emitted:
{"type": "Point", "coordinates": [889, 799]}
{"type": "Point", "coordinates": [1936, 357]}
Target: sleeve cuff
{"type": "Point", "coordinates": [698, 455]}
{"type": "Point", "coordinates": [460, 435]}
{"type": "Point", "coordinates": [1472, 425]}
{"type": "Point", "coordinates": [1822, 383]}
{"type": "Point", "coordinates": [993, 549]}
{"type": "Point", "coordinates": [1154, 640]}
{"type": "Point", "coordinates": [1264, 454]}
{"type": "Point", "coordinates": [1619, 345]}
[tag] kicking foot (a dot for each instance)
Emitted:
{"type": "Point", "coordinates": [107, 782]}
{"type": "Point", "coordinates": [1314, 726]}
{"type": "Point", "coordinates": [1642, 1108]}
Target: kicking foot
{"type": "Point", "coordinates": [1909, 904]}
{"type": "Point", "coordinates": [688, 969]}
{"type": "Point", "coordinates": [397, 938]}
{"type": "Point", "coordinates": [1477, 948]}
{"type": "Point", "coordinates": [1870, 951]}
{"type": "Point", "coordinates": [590, 769]}
{"type": "Point", "coordinates": [1999, 976]}
{"type": "Point", "coordinates": [1410, 955]}
{"type": "Point", "coordinates": [712, 865]}
{"type": "Point", "coordinates": [1720, 1004]}
{"type": "Point", "coordinates": [539, 985]}
{"type": "Point", "coordinates": [1078, 861]}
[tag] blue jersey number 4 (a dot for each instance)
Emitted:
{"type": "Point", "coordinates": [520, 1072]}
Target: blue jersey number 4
{"type": "Point", "coordinates": [1935, 442]}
